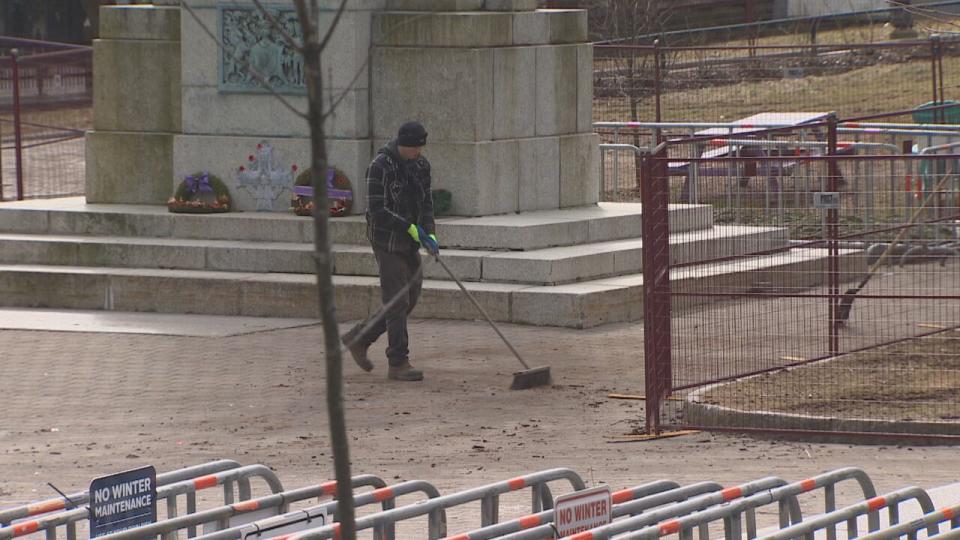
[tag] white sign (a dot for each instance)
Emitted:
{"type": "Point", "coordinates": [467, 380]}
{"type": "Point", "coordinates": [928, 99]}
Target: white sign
{"type": "Point", "coordinates": [582, 510]}
{"type": "Point", "coordinates": [826, 200]}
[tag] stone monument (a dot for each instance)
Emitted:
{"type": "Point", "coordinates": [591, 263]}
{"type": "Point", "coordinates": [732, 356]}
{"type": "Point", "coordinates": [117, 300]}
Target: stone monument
{"type": "Point", "coordinates": [504, 89]}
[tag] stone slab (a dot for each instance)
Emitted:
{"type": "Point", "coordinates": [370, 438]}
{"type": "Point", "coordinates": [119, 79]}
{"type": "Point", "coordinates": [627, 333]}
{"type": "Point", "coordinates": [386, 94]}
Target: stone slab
{"type": "Point", "coordinates": [557, 71]}
{"type": "Point", "coordinates": [482, 177]}
{"type": "Point", "coordinates": [128, 168]}
{"type": "Point", "coordinates": [510, 5]}
{"type": "Point", "coordinates": [585, 88]}
{"type": "Point", "coordinates": [90, 321]}
{"type": "Point", "coordinates": [567, 25]}
{"type": "Point", "coordinates": [579, 305]}
{"type": "Point", "coordinates": [530, 28]}
{"type": "Point", "coordinates": [514, 92]}
{"type": "Point", "coordinates": [579, 170]}
{"type": "Point", "coordinates": [476, 29]}
{"type": "Point", "coordinates": [449, 90]}
{"type": "Point", "coordinates": [527, 230]}
{"type": "Point", "coordinates": [136, 85]}
{"type": "Point", "coordinates": [208, 111]}
{"type": "Point", "coordinates": [143, 22]}
{"type": "Point", "coordinates": [433, 5]}
{"type": "Point", "coordinates": [539, 173]}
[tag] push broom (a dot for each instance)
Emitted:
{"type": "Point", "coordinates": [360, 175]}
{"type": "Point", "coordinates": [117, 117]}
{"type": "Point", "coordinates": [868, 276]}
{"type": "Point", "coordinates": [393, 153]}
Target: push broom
{"type": "Point", "coordinates": [529, 377]}
{"type": "Point", "coordinates": [846, 301]}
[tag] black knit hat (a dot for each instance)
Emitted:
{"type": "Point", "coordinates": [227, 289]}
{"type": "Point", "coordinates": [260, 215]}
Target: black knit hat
{"type": "Point", "coordinates": [412, 134]}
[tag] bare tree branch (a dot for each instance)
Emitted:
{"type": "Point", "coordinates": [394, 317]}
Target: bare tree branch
{"type": "Point", "coordinates": [275, 24]}
{"type": "Point", "coordinates": [246, 65]}
{"type": "Point", "coordinates": [333, 25]}
{"type": "Point", "coordinates": [331, 333]}
{"type": "Point", "coordinates": [366, 61]}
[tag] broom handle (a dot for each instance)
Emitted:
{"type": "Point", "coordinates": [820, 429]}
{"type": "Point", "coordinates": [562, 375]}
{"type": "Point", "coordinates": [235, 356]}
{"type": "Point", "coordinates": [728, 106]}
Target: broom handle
{"type": "Point", "coordinates": [883, 256]}
{"type": "Point", "coordinates": [482, 311]}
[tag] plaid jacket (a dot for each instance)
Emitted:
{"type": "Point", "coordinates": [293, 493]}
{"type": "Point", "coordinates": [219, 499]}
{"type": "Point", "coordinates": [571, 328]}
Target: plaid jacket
{"type": "Point", "coordinates": [398, 194]}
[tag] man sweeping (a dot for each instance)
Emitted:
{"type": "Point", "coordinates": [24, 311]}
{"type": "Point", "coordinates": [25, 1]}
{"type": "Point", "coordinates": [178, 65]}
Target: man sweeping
{"type": "Point", "coordinates": [399, 222]}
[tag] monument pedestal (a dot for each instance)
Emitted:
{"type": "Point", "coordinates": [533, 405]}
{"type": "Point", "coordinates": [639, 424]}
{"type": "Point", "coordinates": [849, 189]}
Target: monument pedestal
{"type": "Point", "coordinates": [136, 105]}
{"type": "Point", "coordinates": [505, 95]}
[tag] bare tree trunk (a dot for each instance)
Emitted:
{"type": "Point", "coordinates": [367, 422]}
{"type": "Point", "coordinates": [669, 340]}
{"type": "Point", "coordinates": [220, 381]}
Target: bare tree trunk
{"type": "Point", "coordinates": [331, 334]}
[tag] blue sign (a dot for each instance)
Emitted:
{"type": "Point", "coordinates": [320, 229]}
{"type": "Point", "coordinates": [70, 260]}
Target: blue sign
{"type": "Point", "coordinates": [123, 501]}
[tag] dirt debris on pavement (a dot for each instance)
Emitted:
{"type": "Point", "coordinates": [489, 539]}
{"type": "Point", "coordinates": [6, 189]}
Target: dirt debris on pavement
{"type": "Point", "coordinates": [81, 405]}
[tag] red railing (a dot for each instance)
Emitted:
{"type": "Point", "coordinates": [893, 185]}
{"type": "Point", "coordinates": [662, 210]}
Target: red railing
{"type": "Point", "coordinates": [41, 151]}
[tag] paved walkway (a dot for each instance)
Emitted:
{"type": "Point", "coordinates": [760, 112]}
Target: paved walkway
{"type": "Point", "coordinates": [77, 405]}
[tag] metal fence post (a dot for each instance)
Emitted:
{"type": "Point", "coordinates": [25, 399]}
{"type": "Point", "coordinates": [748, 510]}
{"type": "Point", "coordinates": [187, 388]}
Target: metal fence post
{"type": "Point", "coordinates": [934, 54]}
{"type": "Point", "coordinates": [17, 135]}
{"type": "Point", "coordinates": [654, 196]}
{"type": "Point", "coordinates": [656, 86]}
{"type": "Point", "coordinates": [832, 238]}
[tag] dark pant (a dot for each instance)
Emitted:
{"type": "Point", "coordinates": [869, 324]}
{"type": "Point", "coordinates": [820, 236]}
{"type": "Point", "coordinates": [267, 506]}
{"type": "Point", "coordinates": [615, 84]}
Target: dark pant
{"type": "Point", "coordinates": [396, 270]}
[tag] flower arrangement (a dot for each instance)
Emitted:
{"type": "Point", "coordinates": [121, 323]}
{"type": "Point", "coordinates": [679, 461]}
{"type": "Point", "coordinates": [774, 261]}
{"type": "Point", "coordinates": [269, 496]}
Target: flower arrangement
{"type": "Point", "coordinates": [200, 193]}
{"type": "Point", "coordinates": [339, 194]}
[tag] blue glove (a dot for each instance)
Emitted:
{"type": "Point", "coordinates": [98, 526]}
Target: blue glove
{"type": "Point", "coordinates": [429, 242]}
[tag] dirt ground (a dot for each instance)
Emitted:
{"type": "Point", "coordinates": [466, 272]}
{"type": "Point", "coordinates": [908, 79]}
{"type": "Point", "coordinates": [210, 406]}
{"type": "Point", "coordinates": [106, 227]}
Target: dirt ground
{"type": "Point", "coordinates": [80, 405]}
{"type": "Point", "coordinates": [914, 380]}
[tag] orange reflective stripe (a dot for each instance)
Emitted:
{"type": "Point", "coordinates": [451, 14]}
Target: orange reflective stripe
{"type": "Point", "coordinates": [731, 493]}
{"type": "Point", "coordinates": [21, 529]}
{"type": "Point", "coordinates": [669, 527]}
{"type": "Point", "coordinates": [246, 506]}
{"type": "Point", "coordinates": [458, 537]}
{"type": "Point", "coordinates": [336, 531]}
{"type": "Point", "coordinates": [876, 503]}
{"type": "Point", "coordinates": [621, 496]}
{"type": "Point", "coordinates": [516, 483]}
{"type": "Point", "coordinates": [527, 522]}
{"type": "Point", "coordinates": [46, 506]}
{"type": "Point", "coordinates": [382, 494]}
{"type": "Point", "coordinates": [948, 513]}
{"type": "Point", "coordinates": [205, 481]}
{"type": "Point", "coordinates": [808, 484]}
{"type": "Point", "coordinates": [329, 488]}
{"type": "Point", "coordinates": [582, 536]}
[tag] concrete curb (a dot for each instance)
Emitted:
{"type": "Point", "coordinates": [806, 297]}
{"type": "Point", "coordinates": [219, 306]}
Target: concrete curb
{"type": "Point", "coordinates": [697, 413]}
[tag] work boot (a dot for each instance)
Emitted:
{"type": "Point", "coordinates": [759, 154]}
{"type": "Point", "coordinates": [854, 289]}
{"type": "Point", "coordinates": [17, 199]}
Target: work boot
{"type": "Point", "coordinates": [357, 350]}
{"type": "Point", "coordinates": [404, 372]}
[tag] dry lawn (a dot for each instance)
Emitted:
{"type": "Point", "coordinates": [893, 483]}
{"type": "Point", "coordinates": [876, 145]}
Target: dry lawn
{"type": "Point", "coordinates": [915, 380]}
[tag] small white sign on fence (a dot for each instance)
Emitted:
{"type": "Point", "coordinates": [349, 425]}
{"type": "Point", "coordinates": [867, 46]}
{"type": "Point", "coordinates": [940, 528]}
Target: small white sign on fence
{"type": "Point", "coordinates": [582, 510]}
{"type": "Point", "coordinates": [826, 200]}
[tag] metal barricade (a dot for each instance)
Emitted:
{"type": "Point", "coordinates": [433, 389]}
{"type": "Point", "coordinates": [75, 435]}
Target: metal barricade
{"type": "Point", "coordinates": [240, 476]}
{"type": "Point", "coordinates": [301, 519]}
{"type": "Point", "coordinates": [950, 514]}
{"type": "Point", "coordinates": [625, 502]}
{"type": "Point", "coordinates": [8, 516]}
{"type": "Point", "coordinates": [849, 515]}
{"type": "Point", "coordinates": [434, 508]}
{"type": "Point", "coordinates": [731, 513]}
{"type": "Point", "coordinates": [642, 513]}
{"type": "Point", "coordinates": [222, 518]}
{"type": "Point", "coordinates": [614, 148]}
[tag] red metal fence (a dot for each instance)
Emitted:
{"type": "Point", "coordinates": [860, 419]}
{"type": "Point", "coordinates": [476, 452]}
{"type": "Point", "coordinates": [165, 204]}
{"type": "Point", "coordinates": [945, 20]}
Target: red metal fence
{"type": "Point", "coordinates": [46, 96]}
{"type": "Point", "coordinates": [825, 295]}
